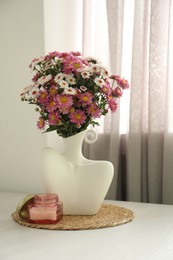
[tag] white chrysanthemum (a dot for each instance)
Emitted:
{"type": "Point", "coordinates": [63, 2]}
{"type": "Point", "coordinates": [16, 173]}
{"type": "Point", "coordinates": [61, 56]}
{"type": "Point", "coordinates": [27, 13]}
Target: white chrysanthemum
{"type": "Point", "coordinates": [83, 88]}
{"type": "Point", "coordinates": [70, 79]}
{"type": "Point", "coordinates": [105, 73]}
{"type": "Point", "coordinates": [91, 59]}
{"type": "Point", "coordinates": [35, 62]}
{"type": "Point", "coordinates": [58, 59]}
{"type": "Point", "coordinates": [26, 90]}
{"type": "Point", "coordinates": [69, 91]}
{"type": "Point", "coordinates": [99, 82]}
{"type": "Point", "coordinates": [44, 79]}
{"type": "Point", "coordinates": [95, 68]}
{"type": "Point", "coordinates": [63, 84]}
{"type": "Point", "coordinates": [85, 74]}
{"type": "Point", "coordinates": [49, 64]}
{"type": "Point", "coordinates": [34, 91]}
{"type": "Point", "coordinates": [59, 77]}
{"type": "Point", "coordinates": [37, 67]}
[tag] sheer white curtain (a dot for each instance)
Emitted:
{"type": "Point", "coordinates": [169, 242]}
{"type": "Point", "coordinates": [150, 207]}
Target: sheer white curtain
{"type": "Point", "coordinates": [139, 46]}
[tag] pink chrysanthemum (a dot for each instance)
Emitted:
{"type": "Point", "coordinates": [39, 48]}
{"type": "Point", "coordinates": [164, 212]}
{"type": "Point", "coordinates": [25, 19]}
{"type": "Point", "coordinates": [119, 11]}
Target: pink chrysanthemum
{"type": "Point", "coordinates": [106, 89]}
{"type": "Point", "coordinates": [118, 92]}
{"type": "Point", "coordinates": [54, 119]}
{"type": "Point", "coordinates": [65, 101]}
{"type": "Point", "coordinates": [73, 64]}
{"type": "Point", "coordinates": [52, 105]}
{"type": "Point", "coordinates": [113, 105]}
{"type": "Point", "coordinates": [53, 90]}
{"type": "Point", "coordinates": [41, 123]}
{"type": "Point", "coordinates": [94, 111]}
{"type": "Point", "coordinates": [115, 77]}
{"type": "Point", "coordinates": [123, 83]}
{"type": "Point", "coordinates": [85, 98]}
{"type": "Point", "coordinates": [43, 96]}
{"type": "Point", "coordinates": [36, 76]}
{"type": "Point", "coordinates": [64, 110]}
{"type": "Point", "coordinates": [52, 55]}
{"type": "Point", "coordinates": [78, 117]}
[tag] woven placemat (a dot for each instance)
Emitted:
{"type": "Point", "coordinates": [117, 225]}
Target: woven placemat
{"type": "Point", "coordinates": [108, 216]}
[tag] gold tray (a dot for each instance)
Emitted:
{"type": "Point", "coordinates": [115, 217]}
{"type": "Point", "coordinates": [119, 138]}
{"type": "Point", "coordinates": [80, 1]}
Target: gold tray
{"type": "Point", "coordinates": [108, 216]}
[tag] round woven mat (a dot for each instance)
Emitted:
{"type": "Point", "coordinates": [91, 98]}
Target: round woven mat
{"type": "Point", "coordinates": [107, 216]}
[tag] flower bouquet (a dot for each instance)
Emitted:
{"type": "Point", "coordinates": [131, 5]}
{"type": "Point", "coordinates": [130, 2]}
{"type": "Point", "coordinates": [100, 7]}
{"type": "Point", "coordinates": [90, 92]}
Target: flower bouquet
{"type": "Point", "coordinates": [70, 92]}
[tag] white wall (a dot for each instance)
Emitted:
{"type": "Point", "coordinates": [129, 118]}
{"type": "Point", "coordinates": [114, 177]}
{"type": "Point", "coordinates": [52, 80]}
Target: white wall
{"type": "Point", "coordinates": [22, 39]}
{"type": "Point", "coordinates": [63, 25]}
{"type": "Point", "coordinates": [28, 29]}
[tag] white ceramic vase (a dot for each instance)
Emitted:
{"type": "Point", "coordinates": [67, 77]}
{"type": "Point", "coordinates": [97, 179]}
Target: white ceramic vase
{"type": "Point", "coordinates": [81, 184]}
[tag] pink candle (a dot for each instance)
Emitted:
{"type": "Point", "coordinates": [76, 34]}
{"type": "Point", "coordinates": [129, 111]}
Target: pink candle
{"type": "Point", "coordinates": [45, 209]}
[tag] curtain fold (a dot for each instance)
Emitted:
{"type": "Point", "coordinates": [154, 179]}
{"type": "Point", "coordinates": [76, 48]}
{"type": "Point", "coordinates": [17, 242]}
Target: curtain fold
{"type": "Point", "coordinates": [111, 123]}
{"type": "Point", "coordinates": [158, 65]}
{"type": "Point", "coordinates": [140, 37]}
{"type": "Point", "coordinates": [148, 145]}
{"type": "Point", "coordinates": [138, 123]}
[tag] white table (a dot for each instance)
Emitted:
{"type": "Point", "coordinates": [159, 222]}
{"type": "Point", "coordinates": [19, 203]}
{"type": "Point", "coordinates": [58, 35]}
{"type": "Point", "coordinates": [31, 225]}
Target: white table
{"type": "Point", "coordinates": [148, 236]}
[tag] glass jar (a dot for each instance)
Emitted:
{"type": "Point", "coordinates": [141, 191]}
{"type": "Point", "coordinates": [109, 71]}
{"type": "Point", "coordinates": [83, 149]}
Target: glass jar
{"type": "Point", "coordinates": [45, 209]}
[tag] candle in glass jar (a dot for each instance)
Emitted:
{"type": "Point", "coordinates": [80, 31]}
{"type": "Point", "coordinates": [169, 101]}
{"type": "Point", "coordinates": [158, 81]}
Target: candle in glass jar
{"type": "Point", "coordinates": [45, 209]}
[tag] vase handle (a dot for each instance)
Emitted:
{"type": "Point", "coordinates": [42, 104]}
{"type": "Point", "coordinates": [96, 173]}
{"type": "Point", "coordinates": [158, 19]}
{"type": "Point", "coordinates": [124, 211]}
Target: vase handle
{"type": "Point", "coordinates": [90, 136]}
